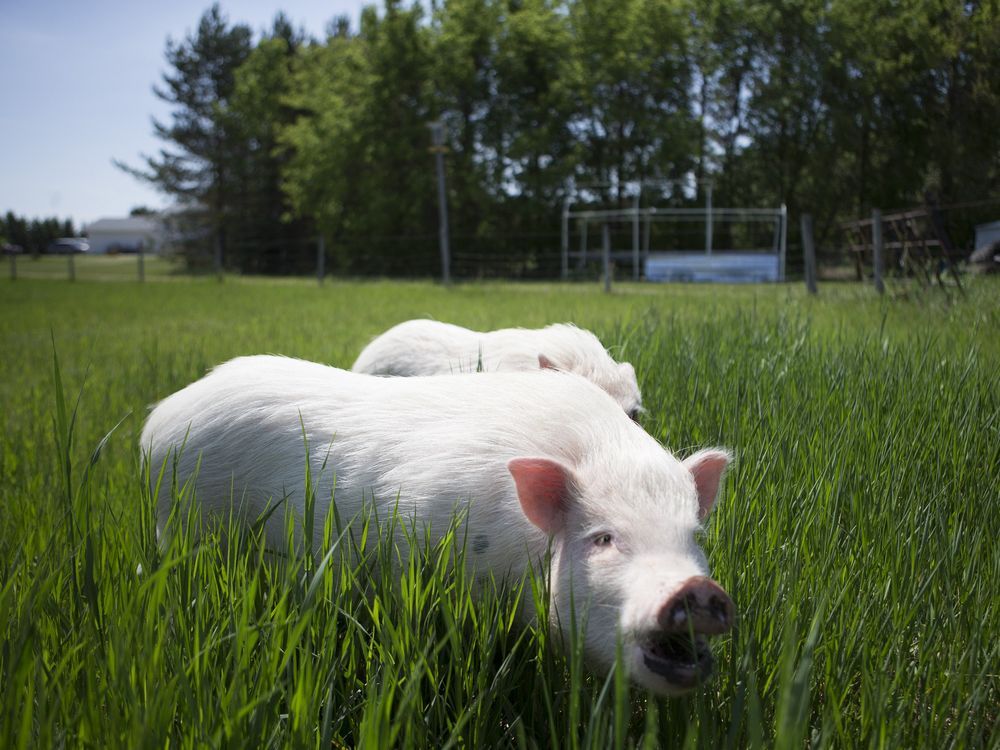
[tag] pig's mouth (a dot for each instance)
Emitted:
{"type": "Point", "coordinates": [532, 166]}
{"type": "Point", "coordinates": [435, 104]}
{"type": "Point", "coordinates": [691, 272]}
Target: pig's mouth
{"type": "Point", "coordinates": [673, 656]}
{"type": "Point", "coordinates": [682, 659]}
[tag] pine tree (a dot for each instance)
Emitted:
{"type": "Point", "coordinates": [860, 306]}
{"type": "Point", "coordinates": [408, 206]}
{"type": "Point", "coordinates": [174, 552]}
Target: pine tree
{"type": "Point", "coordinates": [196, 165]}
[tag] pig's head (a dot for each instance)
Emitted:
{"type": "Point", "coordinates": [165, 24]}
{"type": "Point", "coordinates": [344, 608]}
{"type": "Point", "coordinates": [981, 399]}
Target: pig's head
{"type": "Point", "coordinates": [617, 379]}
{"type": "Point", "coordinates": [626, 558]}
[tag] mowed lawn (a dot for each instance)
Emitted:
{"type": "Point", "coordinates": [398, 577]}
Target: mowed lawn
{"type": "Point", "coordinates": [858, 532]}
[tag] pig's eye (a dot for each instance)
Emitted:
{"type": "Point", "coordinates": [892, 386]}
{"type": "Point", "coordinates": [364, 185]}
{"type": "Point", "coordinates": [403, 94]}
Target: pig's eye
{"type": "Point", "coordinates": [603, 540]}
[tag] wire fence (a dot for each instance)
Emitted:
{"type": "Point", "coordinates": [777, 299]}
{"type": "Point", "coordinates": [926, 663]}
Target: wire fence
{"type": "Point", "coordinates": [513, 256]}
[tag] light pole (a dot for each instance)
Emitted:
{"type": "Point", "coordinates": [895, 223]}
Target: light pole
{"type": "Point", "coordinates": [438, 149]}
{"type": "Point", "coordinates": [708, 217]}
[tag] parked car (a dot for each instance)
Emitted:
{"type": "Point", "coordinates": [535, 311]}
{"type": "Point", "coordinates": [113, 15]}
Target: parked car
{"type": "Point", "coordinates": [119, 248]}
{"type": "Point", "coordinates": [11, 249]}
{"type": "Point", "coordinates": [67, 245]}
{"type": "Point", "coordinates": [986, 259]}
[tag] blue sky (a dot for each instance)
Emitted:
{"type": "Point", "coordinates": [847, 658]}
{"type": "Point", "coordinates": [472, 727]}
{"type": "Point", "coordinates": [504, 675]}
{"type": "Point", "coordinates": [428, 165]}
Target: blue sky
{"type": "Point", "coordinates": [76, 82]}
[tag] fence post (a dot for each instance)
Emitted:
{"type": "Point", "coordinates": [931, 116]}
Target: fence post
{"type": "Point", "coordinates": [142, 264]}
{"type": "Point", "coordinates": [71, 262]}
{"type": "Point", "coordinates": [877, 249]}
{"type": "Point", "coordinates": [783, 242]}
{"type": "Point", "coordinates": [606, 255]}
{"type": "Point", "coordinates": [645, 234]}
{"type": "Point", "coordinates": [218, 255]}
{"type": "Point", "coordinates": [809, 252]}
{"type": "Point", "coordinates": [13, 267]}
{"type": "Point", "coordinates": [564, 243]}
{"type": "Point", "coordinates": [708, 219]}
{"type": "Point", "coordinates": [635, 238]}
{"type": "Point", "coordinates": [320, 260]}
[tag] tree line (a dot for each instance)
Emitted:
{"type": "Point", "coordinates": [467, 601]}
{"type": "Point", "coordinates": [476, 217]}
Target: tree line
{"type": "Point", "coordinates": [33, 235]}
{"type": "Point", "coordinates": [828, 106]}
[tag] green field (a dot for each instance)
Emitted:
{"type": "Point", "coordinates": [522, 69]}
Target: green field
{"type": "Point", "coordinates": [857, 533]}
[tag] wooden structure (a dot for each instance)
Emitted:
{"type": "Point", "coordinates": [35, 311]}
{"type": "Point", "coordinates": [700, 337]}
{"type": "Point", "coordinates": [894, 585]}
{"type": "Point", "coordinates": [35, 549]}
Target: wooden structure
{"type": "Point", "coordinates": [909, 243]}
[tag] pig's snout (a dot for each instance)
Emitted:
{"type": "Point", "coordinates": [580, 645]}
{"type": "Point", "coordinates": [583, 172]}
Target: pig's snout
{"type": "Point", "coordinates": [675, 656]}
{"type": "Point", "coordinates": [700, 606]}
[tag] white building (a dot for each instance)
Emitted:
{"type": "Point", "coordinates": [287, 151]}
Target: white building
{"type": "Point", "coordinates": [126, 235]}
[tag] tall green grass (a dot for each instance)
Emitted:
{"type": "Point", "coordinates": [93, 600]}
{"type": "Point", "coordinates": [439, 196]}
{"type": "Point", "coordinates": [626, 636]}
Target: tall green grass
{"type": "Point", "coordinates": [857, 532]}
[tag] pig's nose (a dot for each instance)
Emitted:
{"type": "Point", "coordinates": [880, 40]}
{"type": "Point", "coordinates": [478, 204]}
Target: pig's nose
{"type": "Point", "coordinates": [700, 605]}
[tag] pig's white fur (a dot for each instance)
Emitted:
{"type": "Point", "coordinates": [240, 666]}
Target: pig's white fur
{"type": "Point", "coordinates": [428, 347]}
{"type": "Point", "coordinates": [436, 443]}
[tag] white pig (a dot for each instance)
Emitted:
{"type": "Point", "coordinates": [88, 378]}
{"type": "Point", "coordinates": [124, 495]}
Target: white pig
{"type": "Point", "coordinates": [427, 347]}
{"type": "Point", "coordinates": [532, 458]}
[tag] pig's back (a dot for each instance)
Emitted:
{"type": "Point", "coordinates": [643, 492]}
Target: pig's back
{"type": "Point", "coordinates": [420, 347]}
{"type": "Point", "coordinates": [430, 442]}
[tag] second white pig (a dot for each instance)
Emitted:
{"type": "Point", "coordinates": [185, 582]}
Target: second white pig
{"type": "Point", "coordinates": [429, 347]}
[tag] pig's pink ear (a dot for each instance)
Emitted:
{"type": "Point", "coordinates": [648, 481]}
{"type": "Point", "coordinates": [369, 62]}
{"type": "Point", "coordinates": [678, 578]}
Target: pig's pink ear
{"type": "Point", "coordinates": [707, 467]}
{"type": "Point", "coordinates": [545, 363]}
{"type": "Point", "coordinates": [543, 487]}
